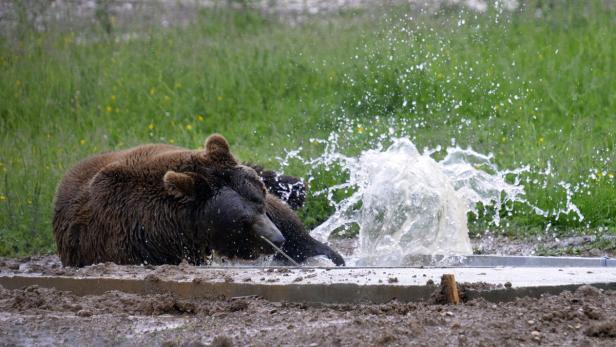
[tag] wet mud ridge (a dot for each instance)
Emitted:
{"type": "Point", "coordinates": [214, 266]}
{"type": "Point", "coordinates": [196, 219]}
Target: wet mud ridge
{"type": "Point", "coordinates": [32, 314]}
{"type": "Point", "coordinates": [40, 316]}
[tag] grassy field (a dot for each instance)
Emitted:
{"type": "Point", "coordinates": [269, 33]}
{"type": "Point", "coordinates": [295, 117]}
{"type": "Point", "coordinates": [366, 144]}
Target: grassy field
{"type": "Point", "coordinates": [531, 86]}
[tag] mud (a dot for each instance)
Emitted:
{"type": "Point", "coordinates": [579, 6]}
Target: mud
{"type": "Point", "coordinates": [39, 316]}
{"type": "Point", "coordinates": [51, 265]}
{"type": "Point", "coordinates": [585, 245]}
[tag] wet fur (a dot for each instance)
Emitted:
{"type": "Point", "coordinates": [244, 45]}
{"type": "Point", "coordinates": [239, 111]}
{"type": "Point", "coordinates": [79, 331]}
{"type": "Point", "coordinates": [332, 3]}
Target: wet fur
{"type": "Point", "coordinates": [299, 245]}
{"type": "Point", "coordinates": [289, 189]}
{"type": "Point", "coordinates": [120, 207]}
{"type": "Point", "coordinates": [114, 207]}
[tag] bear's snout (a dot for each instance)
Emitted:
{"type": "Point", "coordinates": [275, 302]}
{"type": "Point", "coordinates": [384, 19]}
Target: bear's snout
{"type": "Point", "coordinates": [264, 227]}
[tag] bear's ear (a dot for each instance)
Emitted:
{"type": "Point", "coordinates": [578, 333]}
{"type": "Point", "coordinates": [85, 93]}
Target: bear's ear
{"type": "Point", "coordinates": [217, 151]}
{"type": "Point", "coordinates": [180, 185]}
{"type": "Point", "coordinates": [216, 143]}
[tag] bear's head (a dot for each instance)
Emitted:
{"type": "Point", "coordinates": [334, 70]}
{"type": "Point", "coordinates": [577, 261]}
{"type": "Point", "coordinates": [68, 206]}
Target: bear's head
{"type": "Point", "coordinates": [227, 202]}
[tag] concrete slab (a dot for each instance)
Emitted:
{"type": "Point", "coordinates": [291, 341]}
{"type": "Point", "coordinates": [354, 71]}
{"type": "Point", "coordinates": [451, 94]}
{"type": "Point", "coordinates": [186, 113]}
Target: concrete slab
{"type": "Point", "coordinates": [534, 261]}
{"type": "Point", "coordinates": [499, 260]}
{"type": "Point", "coordinates": [327, 285]}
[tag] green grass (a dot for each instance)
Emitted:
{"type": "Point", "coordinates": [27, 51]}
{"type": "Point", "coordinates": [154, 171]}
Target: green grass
{"type": "Point", "coordinates": [534, 89]}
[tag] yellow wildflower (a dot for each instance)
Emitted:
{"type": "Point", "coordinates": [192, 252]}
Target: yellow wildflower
{"type": "Point", "coordinates": [172, 141]}
{"type": "Point", "coordinates": [541, 139]}
{"type": "Point", "coordinates": [113, 98]}
{"type": "Point", "coordinates": [503, 139]}
{"type": "Point", "coordinates": [610, 175]}
{"type": "Point", "coordinates": [200, 118]}
{"type": "Point", "coordinates": [68, 39]}
{"type": "Point", "coordinates": [360, 129]}
{"type": "Point", "coordinates": [189, 127]}
{"type": "Point", "coordinates": [2, 197]}
{"type": "Point", "coordinates": [152, 91]}
{"type": "Point", "coordinates": [151, 126]}
{"type": "Point", "coordinates": [109, 109]}
{"type": "Point", "coordinates": [82, 142]}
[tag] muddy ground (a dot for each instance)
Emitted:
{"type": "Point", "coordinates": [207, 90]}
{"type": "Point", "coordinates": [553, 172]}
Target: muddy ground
{"type": "Point", "coordinates": [38, 316]}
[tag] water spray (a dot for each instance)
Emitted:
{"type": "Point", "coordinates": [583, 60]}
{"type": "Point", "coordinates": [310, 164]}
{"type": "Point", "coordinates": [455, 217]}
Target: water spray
{"type": "Point", "coordinates": [407, 203]}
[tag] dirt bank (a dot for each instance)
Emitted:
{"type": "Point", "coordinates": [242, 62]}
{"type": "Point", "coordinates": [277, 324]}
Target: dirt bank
{"type": "Point", "coordinates": [38, 316]}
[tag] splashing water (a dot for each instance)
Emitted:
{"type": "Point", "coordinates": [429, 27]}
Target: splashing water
{"type": "Point", "coordinates": [408, 206]}
{"type": "Point", "coordinates": [406, 203]}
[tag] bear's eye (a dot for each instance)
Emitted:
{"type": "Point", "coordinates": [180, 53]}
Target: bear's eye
{"type": "Point", "coordinates": [247, 224]}
{"type": "Point", "coordinates": [257, 199]}
{"type": "Point", "coordinates": [254, 196]}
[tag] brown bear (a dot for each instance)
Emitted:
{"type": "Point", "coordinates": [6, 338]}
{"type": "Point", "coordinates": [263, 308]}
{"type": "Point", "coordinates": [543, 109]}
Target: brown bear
{"type": "Point", "coordinates": [161, 204]}
{"type": "Point", "coordinates": [298, 243]}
